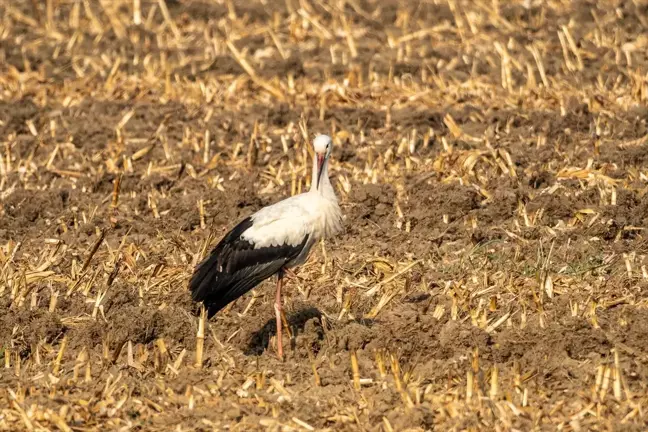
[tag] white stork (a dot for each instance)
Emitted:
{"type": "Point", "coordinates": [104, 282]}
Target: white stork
{"type": "Point", "coordinates": [269, 242]}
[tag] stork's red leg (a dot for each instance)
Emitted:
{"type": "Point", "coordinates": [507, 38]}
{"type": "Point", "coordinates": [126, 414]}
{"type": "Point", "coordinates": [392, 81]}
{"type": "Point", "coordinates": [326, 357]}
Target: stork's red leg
{"type": "Point", "coordinates": [278, 316]}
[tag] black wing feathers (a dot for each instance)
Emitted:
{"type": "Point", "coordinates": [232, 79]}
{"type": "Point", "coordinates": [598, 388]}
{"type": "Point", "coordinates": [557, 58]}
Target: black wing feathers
{"type": "Point", "coordinates": [234, 267]}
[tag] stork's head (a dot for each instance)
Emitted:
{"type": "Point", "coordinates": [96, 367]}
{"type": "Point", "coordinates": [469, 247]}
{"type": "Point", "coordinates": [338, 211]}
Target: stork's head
{"type": "Point", "coordinates": [322, 146]}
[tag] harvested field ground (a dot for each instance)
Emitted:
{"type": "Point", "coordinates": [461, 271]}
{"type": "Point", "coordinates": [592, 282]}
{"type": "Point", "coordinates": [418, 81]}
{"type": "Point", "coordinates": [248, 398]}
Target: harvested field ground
{"type": "Point", "coordinates": [491, 161]}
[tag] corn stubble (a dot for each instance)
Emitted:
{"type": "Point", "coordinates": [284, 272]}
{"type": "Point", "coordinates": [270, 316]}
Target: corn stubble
{"type": "Point", "coordinates": [501, 285]}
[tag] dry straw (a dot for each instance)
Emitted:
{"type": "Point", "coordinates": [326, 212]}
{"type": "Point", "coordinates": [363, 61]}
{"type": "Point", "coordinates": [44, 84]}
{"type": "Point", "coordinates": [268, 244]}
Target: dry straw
{"type": "Point", "coordinates": [489, 158]}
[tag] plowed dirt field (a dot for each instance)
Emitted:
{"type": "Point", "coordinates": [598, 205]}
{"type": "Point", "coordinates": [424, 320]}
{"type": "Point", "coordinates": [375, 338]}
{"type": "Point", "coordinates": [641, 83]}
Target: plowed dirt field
{"type": "Point", "coordinates": [491, 162]}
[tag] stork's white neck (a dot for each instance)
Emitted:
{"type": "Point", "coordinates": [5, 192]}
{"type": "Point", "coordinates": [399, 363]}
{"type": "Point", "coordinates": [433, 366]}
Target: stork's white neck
{"type": "Point", "coordinates": [325, 188]}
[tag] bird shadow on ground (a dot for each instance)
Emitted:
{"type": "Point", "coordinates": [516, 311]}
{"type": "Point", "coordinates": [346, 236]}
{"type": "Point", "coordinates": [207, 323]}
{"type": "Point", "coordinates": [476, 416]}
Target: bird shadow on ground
{"type": "Point", "coordinates": [260, 339]}
{"type": "Point", "coordinates": [302, 327]}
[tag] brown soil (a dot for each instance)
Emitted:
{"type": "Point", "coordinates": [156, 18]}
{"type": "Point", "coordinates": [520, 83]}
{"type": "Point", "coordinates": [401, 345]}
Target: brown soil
{"type": "Point", "coordinates": [488, 211]}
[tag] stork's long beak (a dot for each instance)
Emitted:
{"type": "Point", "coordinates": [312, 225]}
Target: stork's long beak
{"type": "Point", "coordinates": [320, 164]}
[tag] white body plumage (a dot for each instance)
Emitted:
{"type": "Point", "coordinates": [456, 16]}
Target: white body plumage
{"type": "Point", "coordinates": [291, 220]}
